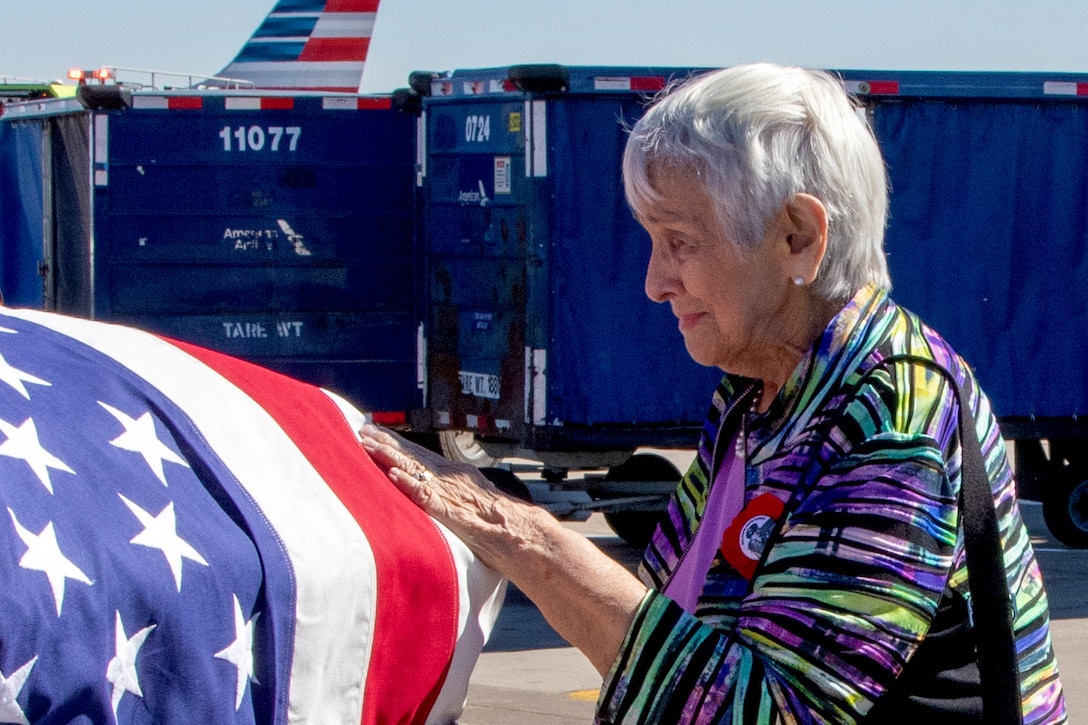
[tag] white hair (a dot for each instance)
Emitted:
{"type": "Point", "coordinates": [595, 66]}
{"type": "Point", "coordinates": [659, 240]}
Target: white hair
{"type": "Point", "coordinates": [755, 135]}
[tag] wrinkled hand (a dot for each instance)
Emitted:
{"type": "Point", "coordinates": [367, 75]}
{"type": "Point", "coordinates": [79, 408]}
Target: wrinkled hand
{"type": "Point", "coordinates": [587, 597]}
{"type": "Point", "coordinates": [456, 494]}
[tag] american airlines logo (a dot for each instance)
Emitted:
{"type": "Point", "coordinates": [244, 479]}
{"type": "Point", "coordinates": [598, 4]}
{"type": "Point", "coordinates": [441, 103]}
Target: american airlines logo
{"type": "Point", "coordinates": [474, 197]}
{"type": "Point", "coordinates": [250, 239]}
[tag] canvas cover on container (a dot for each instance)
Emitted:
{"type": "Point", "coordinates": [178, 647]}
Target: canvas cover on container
{"type": "Point", "coordinates": [45, 224]}
{"type": "Point", "coordinates": [21, 211]}
{"type": "Point", "coordinates": [988, 231]}
{"type": "Point", "coordinates": [540, 331]}
{"type": "Point", "coordinates": [539, 327]}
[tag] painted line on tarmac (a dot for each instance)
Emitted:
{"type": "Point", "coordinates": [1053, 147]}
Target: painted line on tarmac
{"type": "Point", "coordinates": [585, 695]}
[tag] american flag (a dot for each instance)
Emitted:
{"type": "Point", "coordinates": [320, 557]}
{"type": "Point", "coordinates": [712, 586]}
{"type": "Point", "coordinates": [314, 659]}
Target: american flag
{"type": "Point", "coordinates": [188, 538]}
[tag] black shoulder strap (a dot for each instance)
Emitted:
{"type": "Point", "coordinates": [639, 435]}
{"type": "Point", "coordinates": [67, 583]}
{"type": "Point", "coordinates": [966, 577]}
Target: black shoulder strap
{"type": "Point", "coordinates": [990, 603]}
{"type": "Point", "coordinates": [997, 663]}
{"type": "Point", "coordinates": [991, 607]}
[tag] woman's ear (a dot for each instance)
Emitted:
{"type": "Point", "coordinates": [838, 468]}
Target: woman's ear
{"type": "Point", "coordinates": [805, 236]}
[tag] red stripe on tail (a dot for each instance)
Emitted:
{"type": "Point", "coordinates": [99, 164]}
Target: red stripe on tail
{"type": "Point", "coordinates": [351, 6]}
{"type": "Point", "coordinates": [334, 49]}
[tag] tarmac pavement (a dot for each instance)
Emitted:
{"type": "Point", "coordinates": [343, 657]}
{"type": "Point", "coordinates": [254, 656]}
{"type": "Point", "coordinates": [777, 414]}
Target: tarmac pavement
{"type": "Point", "coordinates": [528, 675]}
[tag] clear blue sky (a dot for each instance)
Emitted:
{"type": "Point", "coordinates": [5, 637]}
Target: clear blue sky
{"type": "Point", "coordinates": [43, 38]}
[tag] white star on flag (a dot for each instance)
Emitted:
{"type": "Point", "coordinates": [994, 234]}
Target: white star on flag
{"type": "Point", "coordinates": [140, 437]}
{"type": "Point", "coordinates": [10, 687]}
{"type": "Point", "coordinates": [15, 378]}
{"type": "Point", "coordinates": [160, 532]}
{"type": "Point", "coordinates": [43, 554]}
{"type": "Point", "coordinates": [23, 443]}
{"type": "Point", "coordinates": [122, 668]}
{"type": "Point", "coordinates": [240, 652]}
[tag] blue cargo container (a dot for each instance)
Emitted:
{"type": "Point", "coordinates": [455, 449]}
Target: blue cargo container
{"type": "Point", "coordinates": [988, 239]}
{"type": "Point", "coordinates": [39, 183]}
{"type": "Point", "coordinates": [540, 337]}
{"type": "Point", "coordinates": [21, 171]}
{"type": "Point", "coordinates": [539, 333]}
{"type": "Point", "coordinates": [988, 242]}
{"type": "Point", "coordinates": [275, 227]}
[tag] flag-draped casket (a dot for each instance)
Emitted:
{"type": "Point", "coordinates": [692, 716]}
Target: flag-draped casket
{"type": "Point", "coordinates": [185, 537]}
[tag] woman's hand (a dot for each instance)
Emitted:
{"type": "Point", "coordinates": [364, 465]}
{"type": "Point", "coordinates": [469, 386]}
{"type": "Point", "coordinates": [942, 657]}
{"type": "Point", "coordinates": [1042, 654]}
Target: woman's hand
{"type": "Point", "coordinates": [587, 597]}
{"type": "Point", "coordinates": [456, 494]}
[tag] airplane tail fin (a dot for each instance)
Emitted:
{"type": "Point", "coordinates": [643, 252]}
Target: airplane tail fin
{"type": "Point", "coordinates": [307, 45]}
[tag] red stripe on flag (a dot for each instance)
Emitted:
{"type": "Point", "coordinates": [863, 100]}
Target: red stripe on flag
{"type": "Point", "coordinates": [415, 628]}
{"type": "Point", "coordinates": [1082, 89]}
{"type": "Point", "coordinates": [187, 103]}
{"type": "Point", "coordinates": [277, 104]}
{"type": "Point", "coordinates": [335, 49]}
{"type": "Point", "coordinates": [351, 6]}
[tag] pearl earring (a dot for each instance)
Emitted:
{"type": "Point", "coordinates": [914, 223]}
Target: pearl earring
{"type": "Point", "coordinates": [798, 280]}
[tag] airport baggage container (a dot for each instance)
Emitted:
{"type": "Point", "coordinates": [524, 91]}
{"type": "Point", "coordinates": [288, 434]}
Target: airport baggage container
{"type": "Point", "coordinates": [540, 338]}
{"type": "Point", "coordinates": [37, 185]}
{"type": "Point", "coordinates": [272, 226]}
{"type": "Point", "coordinates": [988, 242]}
{"type": "Point", "coordinates": [539, 331]}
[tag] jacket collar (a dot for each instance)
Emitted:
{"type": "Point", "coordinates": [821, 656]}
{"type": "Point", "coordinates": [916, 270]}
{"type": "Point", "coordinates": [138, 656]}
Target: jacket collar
{"type": "Point", "coordinates": [841, 350]}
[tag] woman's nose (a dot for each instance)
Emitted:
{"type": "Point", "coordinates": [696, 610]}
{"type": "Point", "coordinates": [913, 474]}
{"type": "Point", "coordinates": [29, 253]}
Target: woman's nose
{"type": "Point", "coordinates": [660, 282]}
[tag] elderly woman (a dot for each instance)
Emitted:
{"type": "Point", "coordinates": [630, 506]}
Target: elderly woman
{"type": "Point", "coordinates": [813, 565]}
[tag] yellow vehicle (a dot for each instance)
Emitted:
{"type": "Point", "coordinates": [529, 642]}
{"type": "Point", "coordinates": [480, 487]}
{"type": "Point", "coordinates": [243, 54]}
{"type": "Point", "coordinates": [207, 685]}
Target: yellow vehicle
{"type": "Point", "coordinates": [24, 89]}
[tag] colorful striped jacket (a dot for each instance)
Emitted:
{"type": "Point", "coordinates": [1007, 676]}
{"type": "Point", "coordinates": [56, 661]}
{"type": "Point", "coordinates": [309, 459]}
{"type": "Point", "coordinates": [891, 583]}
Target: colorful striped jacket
{"type": "Point", "coordinates": [864, 451]}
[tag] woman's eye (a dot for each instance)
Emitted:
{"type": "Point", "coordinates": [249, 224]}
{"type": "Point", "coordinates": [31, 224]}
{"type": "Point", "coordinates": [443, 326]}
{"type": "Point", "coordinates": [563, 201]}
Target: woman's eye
{"type": "Point", "coordinates": [681, 243]}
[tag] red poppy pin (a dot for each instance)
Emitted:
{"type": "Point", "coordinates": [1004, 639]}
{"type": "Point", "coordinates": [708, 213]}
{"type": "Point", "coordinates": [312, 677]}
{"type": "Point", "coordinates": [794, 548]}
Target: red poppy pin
{"type": "Point", "coordinates": [746, 537]}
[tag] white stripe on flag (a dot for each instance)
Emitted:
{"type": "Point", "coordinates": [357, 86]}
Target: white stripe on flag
{"type": "Point", "coordinates": [481, 593]}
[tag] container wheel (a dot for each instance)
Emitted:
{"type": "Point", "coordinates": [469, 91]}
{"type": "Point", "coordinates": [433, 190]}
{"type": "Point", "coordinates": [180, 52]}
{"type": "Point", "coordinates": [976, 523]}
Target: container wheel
{"type": "Point", "coordinates": [462, 447]}
{"type": "Point", "coordinates": [1065, 508]}
{"type": "Point", "coordinates": [507, 482]}
{"type": "Point", "coordinates": [636, 526]}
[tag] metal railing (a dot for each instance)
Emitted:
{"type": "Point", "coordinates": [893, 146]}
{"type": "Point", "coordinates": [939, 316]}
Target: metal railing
{"type": "Point", "coordinates": [172, 80]}
{"type": "Point", "coordinates": [17, 79]}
